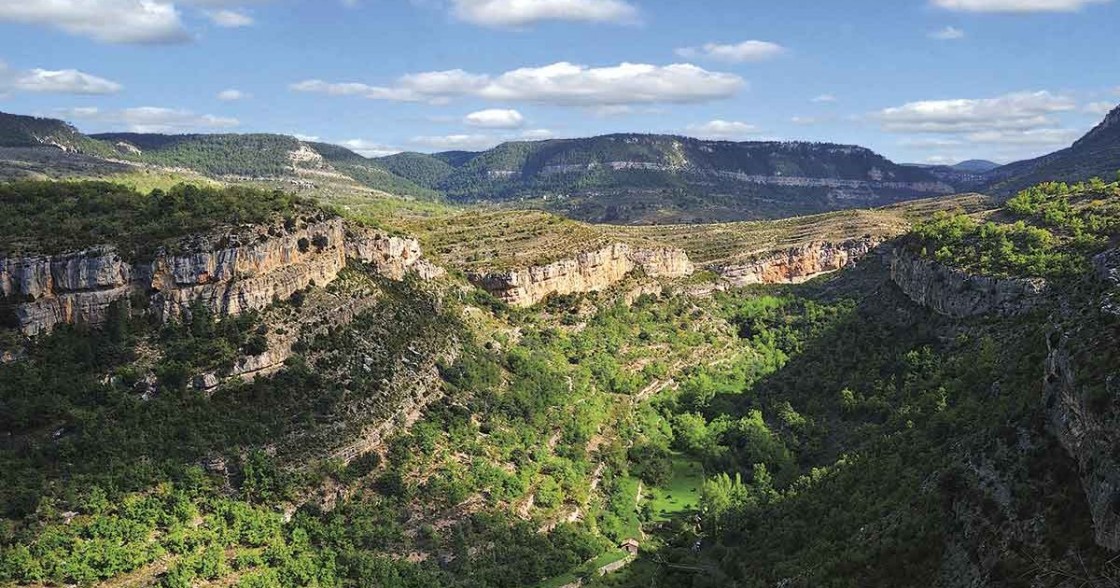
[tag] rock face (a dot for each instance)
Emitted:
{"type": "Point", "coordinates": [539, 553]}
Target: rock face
{"type": "Point", "coordinates": [1089, 437]}
{"type": "Point", "coordinates": [587, 272]}
{"type": "Point", "coordinates": [1089, 431]}
{"type": "Point", "coordinates": [229, 273]}
{"type": "Point", "coordinates": [798, 264]}
{"type": "Point", "coordinates": [959, 294]}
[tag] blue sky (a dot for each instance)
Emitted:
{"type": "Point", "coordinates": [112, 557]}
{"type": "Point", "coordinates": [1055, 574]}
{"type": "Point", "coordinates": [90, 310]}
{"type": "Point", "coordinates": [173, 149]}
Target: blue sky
{"type": "Point", "coordinates": [917, 80]}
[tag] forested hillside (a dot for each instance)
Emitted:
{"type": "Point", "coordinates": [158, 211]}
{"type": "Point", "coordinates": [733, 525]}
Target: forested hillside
{"type": "Point", "coordinates": [422, 433]}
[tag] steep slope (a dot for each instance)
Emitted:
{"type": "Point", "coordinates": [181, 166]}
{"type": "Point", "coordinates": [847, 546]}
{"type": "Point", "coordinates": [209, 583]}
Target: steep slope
{"type": "Point", "coordinates": [28, 131]}
{"type": "Point", "coordinates": [1097, 154]}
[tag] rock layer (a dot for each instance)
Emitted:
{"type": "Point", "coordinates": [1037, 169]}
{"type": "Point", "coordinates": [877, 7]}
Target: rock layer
{"type": "Point", "coordinates": [586, 272]}
{"type": "Point", "coordinates": [1089, 431]}
{"type": "Point", "coordinates": [228, 273]}
{"type": "Point", "coordinates": [959, 294]}
{"type": "Point", "coordinates": [1088, 437]}
{"type": "Point", "coordinates": [798, 264]}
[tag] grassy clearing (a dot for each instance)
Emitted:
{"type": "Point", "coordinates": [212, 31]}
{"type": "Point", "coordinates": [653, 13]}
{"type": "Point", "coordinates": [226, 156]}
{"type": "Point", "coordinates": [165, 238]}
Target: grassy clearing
{"type": "Point", "coordinates": [680, 495]}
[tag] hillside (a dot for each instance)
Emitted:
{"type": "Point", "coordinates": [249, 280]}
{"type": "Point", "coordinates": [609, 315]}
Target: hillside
{"type": "Point", "coordinates": [28, 131]}
{"type": "Point", "coordinates": [1097, 154]}
{"type": "Point", "coordinates": [626, 179]}
{"type": "Point", "coordinates": [257, 157]}
{"type": "Point", "coordinates": [233, 387]}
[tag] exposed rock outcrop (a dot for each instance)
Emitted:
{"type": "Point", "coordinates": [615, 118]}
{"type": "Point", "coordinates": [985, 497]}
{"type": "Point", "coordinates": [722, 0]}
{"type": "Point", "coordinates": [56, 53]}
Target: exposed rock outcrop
{"type": "Point", "coordinates": [586, 272]}
{"type": "Point", "coordinates": [798, 264]}
{"type": "Point", "coordinates": [1088, 438]}
{"type": "Point", "coordinates": [230, 273]}
{"type": "Point", "coordinates": [1088, 430]}
{"type": "Point", "coordinates": [959, 294]}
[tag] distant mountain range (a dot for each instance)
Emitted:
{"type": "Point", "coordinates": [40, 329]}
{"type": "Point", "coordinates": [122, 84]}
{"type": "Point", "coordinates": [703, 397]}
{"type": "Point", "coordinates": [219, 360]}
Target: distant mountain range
{"type": "Point", "coordinates": [625, 178]}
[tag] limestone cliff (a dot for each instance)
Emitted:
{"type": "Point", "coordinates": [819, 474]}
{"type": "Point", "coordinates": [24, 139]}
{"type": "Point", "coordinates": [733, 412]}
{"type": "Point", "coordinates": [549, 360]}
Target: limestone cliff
{"type": "Point", "coordinates": [1080, 407]}
{"type": "Point", "coordinates": [586, 272]}
{"type": "Point", "coordinates": [797, 264]}
{"type": "Point", "coordinates": [959, 294]}
{"type": "Point", "coordinates": [245, 269]}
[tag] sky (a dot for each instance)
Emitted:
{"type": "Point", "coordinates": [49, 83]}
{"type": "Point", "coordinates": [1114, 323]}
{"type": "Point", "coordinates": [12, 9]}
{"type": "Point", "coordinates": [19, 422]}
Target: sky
{"type": "Point", "coordinates": [921, 81]}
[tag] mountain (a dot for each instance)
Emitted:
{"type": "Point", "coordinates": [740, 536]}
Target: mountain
{"type": "Point", "coordinates": [630, 178]}
{"type": "Point", "coordinates": [1097, 154]}
{"type": "Point", "coordinates": [33, 132]}
{"type": "Point", "coordinates": [977, 166]}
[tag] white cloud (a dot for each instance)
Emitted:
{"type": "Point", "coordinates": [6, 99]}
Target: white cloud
{"type": "Point", "coordinates": [521, 13]}
{"type": "Point", "coordinates": [232, 95]}
{"type": "Point", "coordinates": [457, 142]}
{"type": "Point", "coordinates": [563, 84]}
{"type": "Point", "coordinates": [229, 19]}
{"type": "Point", "coordinates": [65, 81]}
{"type": "Point", "coordinates": [495, 118]}
{"type": "Point", "coordinates": [1033, 137]}
{"type": "Point", "coordinates": [151, 119]}
{"type": "Point", "coordinates": [928, 142]}
{"type": "Point", "coordinates": [734, 53]}
{"type": "Point", "coordinates": [722, 129]}
{"type": "Point", "coordinates": [1019, 111]}
{"type": "Point", "coordinates": [369, 148]}
{"type": "Point", "coordinates": [435, 86]}
{"type": "Point", "coordinates": [1100, 108]}
{"type": "Point", "coordinates": [537, 135]}
{"type": "Point", "coordinates": [1015, 5]}
{"type": "Point", "coordinates": [824, 99]}
{"type": "Point", "coordinates": [309, 138]}
{"type": "Point", "coordinates": [947, 34]}
{"type": "Point", "coordinates": [110, 21]}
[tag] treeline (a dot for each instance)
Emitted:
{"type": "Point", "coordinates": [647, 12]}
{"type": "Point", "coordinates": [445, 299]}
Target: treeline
{"type": "Point", "coordinates": [56, 217]}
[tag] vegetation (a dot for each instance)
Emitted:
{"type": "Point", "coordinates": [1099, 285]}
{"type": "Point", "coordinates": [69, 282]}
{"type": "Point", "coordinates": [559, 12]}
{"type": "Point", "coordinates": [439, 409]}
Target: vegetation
{"type": "Point", "coordinates": [52, 217]}
{"type": "Point", "coordinates": [1049, 230]}
{"type": "Point", "coordinates": [831, 433]}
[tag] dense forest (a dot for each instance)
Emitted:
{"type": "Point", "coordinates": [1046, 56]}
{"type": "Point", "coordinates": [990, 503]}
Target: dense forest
{"type": "Point", "coordinates": [50, 217]}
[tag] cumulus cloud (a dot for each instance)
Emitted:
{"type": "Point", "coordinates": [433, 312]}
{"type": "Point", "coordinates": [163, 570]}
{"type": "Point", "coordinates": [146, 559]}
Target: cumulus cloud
{"type": "Point", "coordinates": [947, 34]}
{"type": "Point", "coordinates": [1015, 5]}
{"type": "Point", "coordinates": [1032, 137]}
{"type": "Point", "coordinates": [521, 13]}
{"type": "Point", "coordinates": [434, 86]}
{"type": "Point", "coordinates": [230, 19]}
{"type": "Point", "coordinates": [232, 95]}
{"type": "Point", "coordinates": [151, 119]}
{"type": "Point", "coordinates": [369, 148]}
{"type": "Point", "coordinates": [122, 21]}
{"type": "Point", "coordinates": [64, 81]}
{"type": "Point", "coordinates": [734, 53]}
{"type": "Point", "coordinates": [562, 84]}
{"type": "Point", "coordinates": [1019, 111]}
{"type": "Point", "coordinates": [111, 21]}
{"type": "Point", "coordinates": [723, 129]}
{"type": "Point", "coordinates": [1101, 108]}
{"type": "Point", "coordinates": [495, 118]}
{"type": "Point", "coordinates": [463, 142]}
